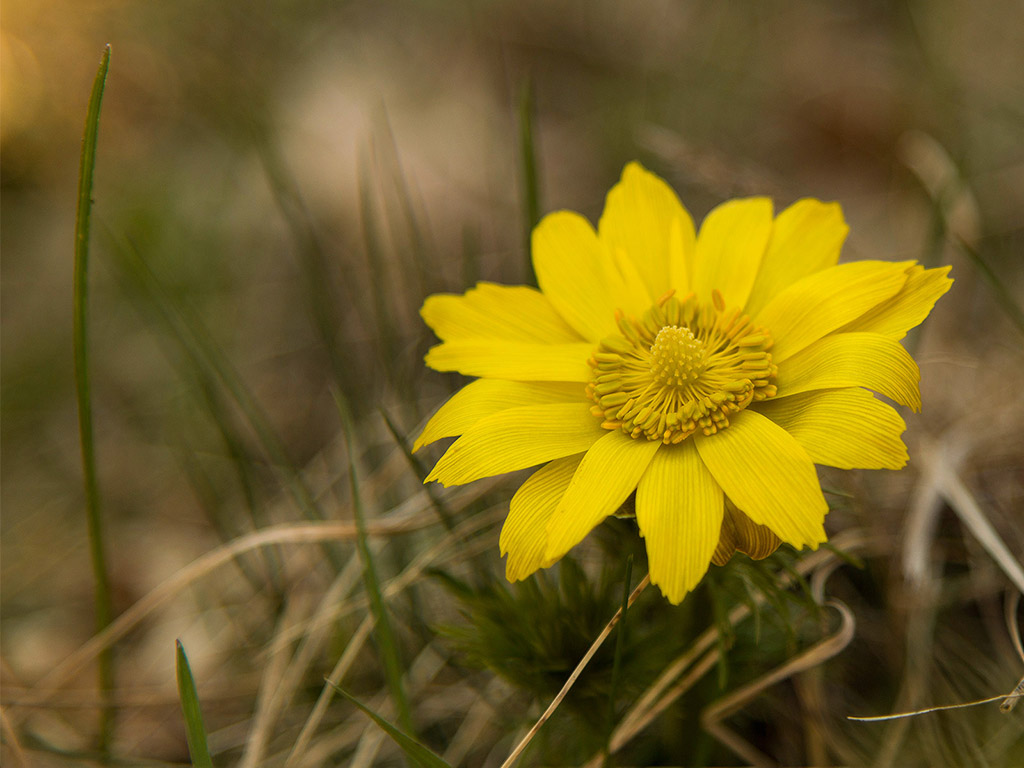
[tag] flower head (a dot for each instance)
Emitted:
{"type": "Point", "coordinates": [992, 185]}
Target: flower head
{"type": "Point", "coordinates": [705, 372]}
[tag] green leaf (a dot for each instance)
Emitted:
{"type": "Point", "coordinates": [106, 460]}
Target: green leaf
{"type": "Point", "coordinates": [80, 310]}
{"type": "Point", "coordinates": [421, 755]}
{"type": "Point", "coordinates": [202, 358]}
{"type": "Point", "coordinates": [195, 731]}
{"type": "Point", "coordinates": [1009, 305]}
{"type": "Point", "coordinates": [383, 633]}
{"type": "Point", "coordinates": [443, 513]}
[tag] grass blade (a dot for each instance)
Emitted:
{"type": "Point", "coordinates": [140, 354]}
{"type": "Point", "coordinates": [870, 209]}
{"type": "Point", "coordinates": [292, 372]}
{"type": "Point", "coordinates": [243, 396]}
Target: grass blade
{"type": "Point", "coordinates": [382, 278]}
{"type": "Point", "coordinates": [617, 662]}
{"type": "Point", "coordinates": [325, 295]}
{"type": "Point", "coordinates": [203, 354]}
{"type": "Point", "coordinates": [383, 632]}
{"type": "Point", "coordinates": [421, 472]}
{"type": "Point", "coordinates": [416, 234]}
{"type": "Point", "coordinates": [414, 750]}
{"type": "Point", "coordinates": [82, 388]}
{"type": "Point", "coordinates": [195, 731]}
{"type": "Point", "coordinates": [531, 193]}
{"type": "Point", "coordinates": [1010, 306]}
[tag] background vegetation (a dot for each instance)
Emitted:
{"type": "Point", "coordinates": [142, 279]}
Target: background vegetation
{"type": "Point", "coordinates": [280, 184]}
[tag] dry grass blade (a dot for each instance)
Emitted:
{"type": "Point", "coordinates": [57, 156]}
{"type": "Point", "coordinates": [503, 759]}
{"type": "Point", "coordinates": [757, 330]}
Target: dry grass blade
{"type": "Point", "coordinates": [482, 715]}
{"type": "Point", "coordinates": [969, 511]}
{"type": "Point", "coordinates": [344, 663]}
{"type": "Point", "coordinates": [713, 715]}
{"type": "Point", "coordinates": [1012, 696]}
{"type": "Point", "coordinates": [644, 717]}
{"type": "Point", "coordinates": [1012, 603]}
{"type": "Point", "coordinates": [665, 689]}
{"type": "Point", "coordinates": [925, 506]}
{"type": "Point", "coordinates": [362, 633]}
{"type": "Point", "coordinates": [267, 698]}
{"type": "Point", "coordinates": [1011, 701]}
{"type": "Point", "coordinates": [11, 739]}
{"type": "Point", "coordinates": [573, 677]}
{"type": "Point", "coordinates": [289, 533]}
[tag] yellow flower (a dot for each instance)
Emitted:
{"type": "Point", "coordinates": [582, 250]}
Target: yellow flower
{"type": "Point", "coordinates": [708, 373]}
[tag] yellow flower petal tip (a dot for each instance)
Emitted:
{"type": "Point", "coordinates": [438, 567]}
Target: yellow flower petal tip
{"type": "Point", "coordinates": [705, 370]}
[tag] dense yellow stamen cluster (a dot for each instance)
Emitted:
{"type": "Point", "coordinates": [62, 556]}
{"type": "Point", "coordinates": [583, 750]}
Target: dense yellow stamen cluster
{"type": "Point", "coordinates": [682, 367]}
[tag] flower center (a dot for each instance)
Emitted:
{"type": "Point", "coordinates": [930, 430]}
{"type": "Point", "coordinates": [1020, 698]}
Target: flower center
{"type": "Point", "coordinates": [683, 367]}
{"type": "Point", "coordinates": [677, 357]}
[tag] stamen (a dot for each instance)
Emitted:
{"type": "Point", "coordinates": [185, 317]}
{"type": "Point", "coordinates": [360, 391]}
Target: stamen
{"type": "Point", "coordinates": [683, 366]}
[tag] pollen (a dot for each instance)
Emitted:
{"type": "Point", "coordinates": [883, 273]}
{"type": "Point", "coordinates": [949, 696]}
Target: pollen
{"type": "Point", "coordinates": [677, 357]}
{"type": "Point", "coordinates": [683, 367]}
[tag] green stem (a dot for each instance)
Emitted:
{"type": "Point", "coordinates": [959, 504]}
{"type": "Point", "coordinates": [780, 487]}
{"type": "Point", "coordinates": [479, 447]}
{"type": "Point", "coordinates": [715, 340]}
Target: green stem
{"type": "Point", "coordinates": [616, 663]}
{"type": "Point", "coordinates": [82, 388]}
{"type": "Point", "coordinates": [383, 632]}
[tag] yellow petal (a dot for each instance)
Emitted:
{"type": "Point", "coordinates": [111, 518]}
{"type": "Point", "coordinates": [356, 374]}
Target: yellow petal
{"type": "Point", "coordinates": [484, 397]}
{"type": "Point", "coordinates": [524, 536]}
{"type": "Point", "coordinates": [490, 311]}
{"type": "Point", "coordinates": [806, 238]}
{"type": "Point", "coordinates": [909, 307]}
{"type": "Point", "coordinates": [516, 361]}
{"type": "Point", "coordinates": [679, 510]}
{"type": "Point", "coordinates": [682, 249]}
{"type": "Point", "coordinates": [845, 428]}
{"type": "Point", "coordinates": [639, 215]}
{"type": "Point", "coordinates": [607, 475]}
{"type": "Point", "coordinates": [730, 246]}
{"type": "Point", "coordinates": [853, 360]}
{"type": "Point", "coordinates": [579, 276]}
{"type": "Point", "coordinates": [820, 303]}
{"type": "Point", "coordinates": [516, 439]}
{"type": "Point", "coordinates": [767, 475]}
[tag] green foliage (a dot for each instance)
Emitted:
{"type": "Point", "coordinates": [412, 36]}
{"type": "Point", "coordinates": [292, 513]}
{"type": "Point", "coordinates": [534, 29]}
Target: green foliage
{"type": "Point", "coordinates": [383, 631]}
{"type": "Point", "coordinates": [83, 223]}
{"type": "Point", "coordinates": [534, 633]}
{"type": "Point", "coordinates": [269, 268]}
{"type": "Point", "coordinates": [416, 752]}
{"type": "Point", "coordinates": [195, 730]}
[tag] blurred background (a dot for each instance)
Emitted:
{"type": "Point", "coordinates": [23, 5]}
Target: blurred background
{"type": "Point", "coordinates": [278, 186]}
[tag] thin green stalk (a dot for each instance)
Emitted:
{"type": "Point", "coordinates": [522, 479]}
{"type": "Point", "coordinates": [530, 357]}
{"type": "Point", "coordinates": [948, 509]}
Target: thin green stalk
{"type": "Point", "coordinates": [617, 662]}
{"type": "Point", "coordinates": [210, 363]}
{"type": "Point", "coordinates": [195, 730]}
{"type": "Point", "coordinates": [382, 280]}
{"type": "Point", "coordinates": [421, 250]}
{"type": "Point", "coordinates": [324, 293]}
{"type": "Point", "coordinates": [82, 387]}
{"type": "Point", "coordinates": [421, 473]}
{"type": "Point", "coordinates": [196, 342]}
{"type": "Point", "coordinates": [418, 753]}
{"type": "Point", "coordinates": [1008, 303]}
{"type": "Point", "coordinates": [383, 632]}
{"type": "Point", "coordinates": [531, 193]}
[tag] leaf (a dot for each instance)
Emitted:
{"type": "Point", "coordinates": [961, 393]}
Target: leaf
{"type": "Point", "coordinates": [83, 218]}
{"type": "Point", "coordinates": [195, 731]}
{"type": "Point", "coordinates": [414, 750]}
{"type": "Point", "coordinates": [383, 632]}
